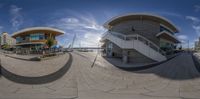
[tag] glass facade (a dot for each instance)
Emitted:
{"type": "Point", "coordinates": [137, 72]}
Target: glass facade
{"type": "Point", "coordinates": [28, 37]}
{"type": "Point", "coordinates": [19, 39]}
{"type": "Point", "coordinates": [37, 36]}
{"type": "Point", "coordinates": [167, 46]}
{"type": "Point", "coordinates": [33, 41]}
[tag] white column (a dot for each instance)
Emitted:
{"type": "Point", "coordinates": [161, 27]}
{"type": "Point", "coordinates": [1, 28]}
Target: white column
{"type": "Point", "coordinates": [125, 56]}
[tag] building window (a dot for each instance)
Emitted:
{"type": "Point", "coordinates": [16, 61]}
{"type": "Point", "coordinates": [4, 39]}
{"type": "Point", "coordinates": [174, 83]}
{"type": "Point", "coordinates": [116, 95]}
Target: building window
{"type": "Point", "coordinates": [37, 36]}
{"type": "Point", "coordinates": [19, 39]}
{"type": "Point", "coordinates": [41, 37]}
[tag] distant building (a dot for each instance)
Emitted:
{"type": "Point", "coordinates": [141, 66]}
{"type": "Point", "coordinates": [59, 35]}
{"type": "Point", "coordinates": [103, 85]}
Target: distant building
{"type": "Point", "coordinates": [33, 39]}
{"type": "Point", "coordinates": [7, 40]}
{"type": "Point", "coordinates": [197, 45]}
{"type": "Point", "coordinates": [139, 38]}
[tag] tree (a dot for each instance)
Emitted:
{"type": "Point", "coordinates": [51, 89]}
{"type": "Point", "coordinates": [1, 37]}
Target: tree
{"type": "Point", "coordinates": [5, 46]}
{"type": "Point", "coordinates": [50, 42]}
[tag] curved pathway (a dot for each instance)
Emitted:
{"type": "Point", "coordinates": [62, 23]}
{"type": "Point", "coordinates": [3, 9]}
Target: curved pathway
{"type": "Point", "coordinates": [12, 72]}
{"type": "Point", "coordinates": [34, 68]}
{"type": "Point", "coordinates": [175, 79]}
{"type": "Point", "coordinates": [64, 86]}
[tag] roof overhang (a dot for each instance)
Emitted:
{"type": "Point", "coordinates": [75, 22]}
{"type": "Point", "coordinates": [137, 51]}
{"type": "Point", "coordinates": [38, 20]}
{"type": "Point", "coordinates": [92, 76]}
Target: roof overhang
{"type": "Point", "coordinates": [168, 36]}
{"type": "Point", "coordinates": [38, 29]}
{"type": "Point", "coordinates": [140, 16]}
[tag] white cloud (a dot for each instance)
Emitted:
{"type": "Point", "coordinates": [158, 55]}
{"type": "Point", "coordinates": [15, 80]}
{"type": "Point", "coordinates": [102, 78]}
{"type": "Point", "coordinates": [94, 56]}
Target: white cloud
{"type": "Point", "coordinates": [182, 38]}
{"type": "Point", "coordinates": [90, 39]}
{"type": "Point", "coordinates": [185, 41]}
{"type": "Point", "coordinates": [197, 28]}
{"type": "Point", "coordinates": [197, 8]}
{"type": "Point", "coordinates": [171, 14]}
{"type": "Point", "coordinates": [196, 39]}
{"type": "Point", "coordinates": [70, 20]}
{"type": "Point", "coordinates": [195, 20]}
{"type": "Point", "coordinates": [85, 26]}
{"type": "Point", "coordinates": [16, 17]}
{"type": "Point", "coordinates": [195, 23]}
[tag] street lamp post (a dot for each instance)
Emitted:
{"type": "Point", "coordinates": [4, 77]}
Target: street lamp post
{"type": "Point", "coordinates": [188, 46]}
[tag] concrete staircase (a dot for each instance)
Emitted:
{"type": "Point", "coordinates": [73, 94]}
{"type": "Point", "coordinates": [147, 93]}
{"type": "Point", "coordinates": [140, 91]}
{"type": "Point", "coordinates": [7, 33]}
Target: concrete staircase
{"type": "Point", "coordinates": [137, 42]}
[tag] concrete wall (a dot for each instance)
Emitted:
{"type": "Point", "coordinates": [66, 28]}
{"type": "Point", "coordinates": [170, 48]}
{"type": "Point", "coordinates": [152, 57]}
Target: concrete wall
{"type": "Point", "coordinates": [146, 28]}
{"type": "Point", "coordinates": [136, 57]}
{"type": "Point", "coordinates": [117, 51]}
{"type": "Point", "coordinates": [133, 55]}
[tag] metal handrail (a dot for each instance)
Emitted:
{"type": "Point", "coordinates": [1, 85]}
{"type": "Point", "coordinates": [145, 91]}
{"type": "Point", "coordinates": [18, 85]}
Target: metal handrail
{"type": "Point", "coordinates": [119, 35]}
{"type": "Point", "coordinates": [104, 34]}
{"type": "Point", "coordinates": [124, 37]}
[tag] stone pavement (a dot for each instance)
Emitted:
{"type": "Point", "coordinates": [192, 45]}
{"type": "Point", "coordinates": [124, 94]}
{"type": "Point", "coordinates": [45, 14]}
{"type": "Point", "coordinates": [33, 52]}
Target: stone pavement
{"type": "Point", "coordinates": [33, 68]}
{"type": "Point", "coordinates": [175, 79]}
{"type": "Point", "coordinates": [23, 57]}
{"type": "Point", "coordinates": [64, 87]}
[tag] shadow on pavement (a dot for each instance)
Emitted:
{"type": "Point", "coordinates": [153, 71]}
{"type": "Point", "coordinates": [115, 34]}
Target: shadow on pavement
{"type": "Point", "coordinates": [38, 80]}
{"type": "Point", "coordinates": [196, 62]}
{"type": "Point", "coordinates": [138, 68]}
{"type": "Point", "coordinates": [181, 67]}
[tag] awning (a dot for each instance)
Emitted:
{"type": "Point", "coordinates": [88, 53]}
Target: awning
{"type": "Point", "coordinates": [56, 46]}
{"type": "Point", "coordinates": [168, 36]}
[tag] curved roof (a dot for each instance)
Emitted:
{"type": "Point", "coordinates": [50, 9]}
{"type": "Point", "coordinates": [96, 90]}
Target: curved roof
{"type": "Point", "coordinates": [168, 36]}
{"type": "Point", "coordinates": [135, 16]}
{"type": "Point", "coordinates": [38, 29]}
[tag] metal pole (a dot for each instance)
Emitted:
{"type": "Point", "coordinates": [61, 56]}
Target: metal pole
{"type": "Point", "coordinates": [188, 45]}
{"type": "Point", "coordinates": [95, 57]}
{"type": "Point", "coordinates": [73, 41]}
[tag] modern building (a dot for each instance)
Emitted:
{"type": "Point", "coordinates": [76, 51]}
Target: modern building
{"type": "Point", "coordinates": [34, 38]}
{"type": "Point", "coordinates": [139, 38]}
{"type": "Point", "coordinates": [7, 40]}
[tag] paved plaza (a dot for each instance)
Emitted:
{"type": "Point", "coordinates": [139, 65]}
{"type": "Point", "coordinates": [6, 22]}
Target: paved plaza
{"type": "Point", "coordinates": [64, 87]}
{"type": "Point", "coordinates": [33, 68]}
{"type": "Point", "coordinates": [175, 79]}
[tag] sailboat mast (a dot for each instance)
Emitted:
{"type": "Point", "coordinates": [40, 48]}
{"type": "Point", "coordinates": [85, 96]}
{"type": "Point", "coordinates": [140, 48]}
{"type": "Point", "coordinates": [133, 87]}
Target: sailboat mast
{"type": "Point", "coordinates": [73, 40]}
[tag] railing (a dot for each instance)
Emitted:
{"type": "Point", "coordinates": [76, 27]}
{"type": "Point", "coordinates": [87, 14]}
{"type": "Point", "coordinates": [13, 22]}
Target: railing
{"type": "Point", "coordinates": [136, 37]}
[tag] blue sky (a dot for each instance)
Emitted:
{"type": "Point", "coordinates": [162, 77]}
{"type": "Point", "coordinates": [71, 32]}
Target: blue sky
{"type": "Point", "coordinates": [86, 17]}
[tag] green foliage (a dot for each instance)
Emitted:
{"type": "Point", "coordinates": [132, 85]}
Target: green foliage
{"type": "Point", "coordinates": [50, 42]}
{"type": "Point", "coordinates": [5, 46]}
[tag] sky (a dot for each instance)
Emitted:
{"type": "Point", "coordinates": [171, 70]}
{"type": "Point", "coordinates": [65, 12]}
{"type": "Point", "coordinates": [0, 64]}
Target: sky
{"type": "Point", "coordinates": [84, 18]}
